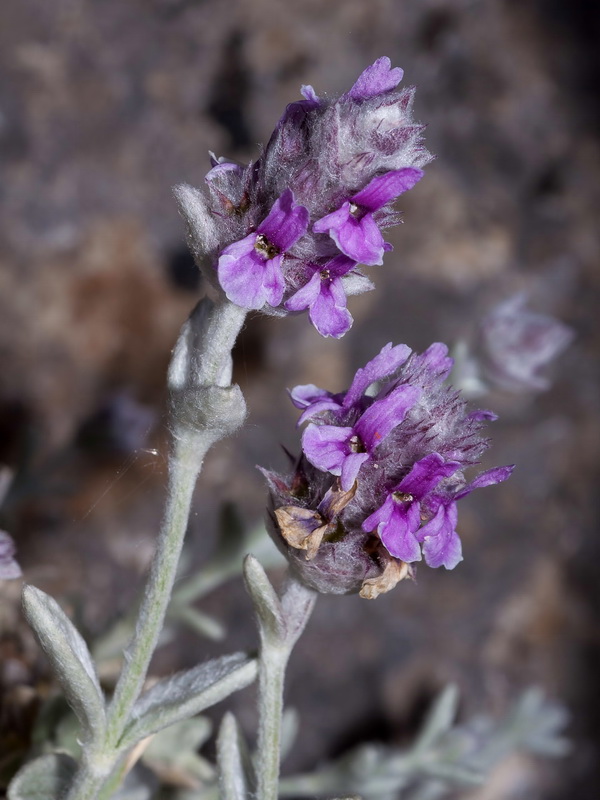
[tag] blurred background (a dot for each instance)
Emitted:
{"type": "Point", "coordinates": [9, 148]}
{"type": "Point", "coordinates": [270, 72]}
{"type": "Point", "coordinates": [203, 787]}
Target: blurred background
{"type": "Point", "coordinates": [103, 108]}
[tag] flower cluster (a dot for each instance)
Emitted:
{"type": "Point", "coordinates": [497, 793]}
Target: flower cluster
{"type": "Point", "coordinates": [287, 232]}
{"type": "Point", "coordinates": [516, 344]}
{"type": "Point", "coordinates": [381, 471]}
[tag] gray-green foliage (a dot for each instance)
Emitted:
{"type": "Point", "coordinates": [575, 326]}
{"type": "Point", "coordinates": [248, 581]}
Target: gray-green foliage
{"type": "Point", "coordinates": [443, 757]}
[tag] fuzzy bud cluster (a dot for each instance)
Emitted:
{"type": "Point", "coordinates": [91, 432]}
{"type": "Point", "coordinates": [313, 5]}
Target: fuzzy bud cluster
{"type": "Point", "coordinates": [381, 471]}
{"type": "Point", "coordinates": [287, 232]}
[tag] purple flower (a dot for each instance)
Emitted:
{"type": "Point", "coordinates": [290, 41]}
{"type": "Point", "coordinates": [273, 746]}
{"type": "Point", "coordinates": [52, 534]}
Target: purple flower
{"type": "Point", "coordinates": [257, 230]}
{"type": "Point", "coordinates": [313, 400]}
{"type": "Point", "coordinates": [325, 297]}
{"type": "Point", "coordinates": [399, 518]}
{"type": "Point", "coordinates": [343, 450]}
{"type": "Point", "coordinates": [8, 566]}
{"type": "Point", "coordinates": [250, 270]}
{"type": "Point", "coordinates": [396, 446]}
{"type": "Point", "coordinates": [353, 227]}
{"type": "Point", "coordinates": [516, 344]}
{"type": "Point", "coordinates": [441, 545]}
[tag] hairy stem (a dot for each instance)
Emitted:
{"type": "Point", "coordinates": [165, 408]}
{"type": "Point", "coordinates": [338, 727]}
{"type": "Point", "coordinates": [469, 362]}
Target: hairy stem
{"type": "Point", "coordinates": [271, 678]}
{"type": "Point", "coordinates": [185, 464]}
{"type": "Point", "coordinates": [201, 362]}
{"type": "Point", "coordinates": [297, 604]}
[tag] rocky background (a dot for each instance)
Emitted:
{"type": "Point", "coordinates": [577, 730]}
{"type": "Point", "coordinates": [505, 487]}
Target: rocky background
{"type": "Point", "coordinates": [104, 107]}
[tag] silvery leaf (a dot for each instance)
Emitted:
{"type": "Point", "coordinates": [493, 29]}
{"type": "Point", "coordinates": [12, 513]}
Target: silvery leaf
{"type": "Point", "coordinates": [187, 693]}
{"type": "Point", "coordinates": [440, 717]}
{"type": "Point", "coordinates": [264, 598]}
{"type": "Point", "coordinates": [198, 621]}
{"type": "Point", "coordinates": [46, 778]}
{"type": "Point", "coordinates": [70, 658]}
{"type": "Point", "coordinates": [237, 780]}
{"type": "Point", "coordinates": [172, 754]}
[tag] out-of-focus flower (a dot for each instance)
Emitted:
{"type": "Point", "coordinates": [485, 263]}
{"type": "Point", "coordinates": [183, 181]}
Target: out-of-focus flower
{"type": "Point", "coordinates": [287, 232]}
{"type": "Point", "coordinates": [516, 344]}
{"type": "Point", "coordinates": [8, 566]}
{"type": "Point", "coordinates": [381, 471]}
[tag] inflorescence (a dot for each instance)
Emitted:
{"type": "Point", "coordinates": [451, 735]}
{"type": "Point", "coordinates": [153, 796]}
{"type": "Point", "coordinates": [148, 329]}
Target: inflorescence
{"type": "Point", "coordinates": [288, 231]}
{"type": "Point", "coordinates": [381, 471]}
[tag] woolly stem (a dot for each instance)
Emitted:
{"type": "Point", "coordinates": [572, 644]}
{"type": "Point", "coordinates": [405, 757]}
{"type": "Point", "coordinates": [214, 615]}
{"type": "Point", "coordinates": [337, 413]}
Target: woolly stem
{"type": "Point", "coordinates": [201, 363]}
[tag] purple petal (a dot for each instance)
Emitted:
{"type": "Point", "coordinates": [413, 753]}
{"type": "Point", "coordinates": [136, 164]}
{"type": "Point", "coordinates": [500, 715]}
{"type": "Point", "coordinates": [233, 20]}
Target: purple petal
{"type": "Point", "coordinates": [339, 266]}
{"type": "Point", "coordinates": [307, 394]}
{"type": "Point", "coordinates": [306, 295]}
{"type": "Point", "coordinates": [310, 95]}
{"type": "Point", "coordinates": [381, 516]}
{"type": "Point", "coordinates": [241, 273]}
{"type": "Point", "coordinates": [398, 536]}
{"type": "Point", "coordinates": [336, 219]}
{"type": "Point", "coordinates": [483, 415]}
{"type": "Point", "coordinates": [222, 167]}
{"type": "Point", "coordinates": [326, 446]}
{"type": "Point", "coordinates": [384, 415]}
{"type": "Point", "coordinates": [286, 222]}
{"type": "Point", "coordinates": [385, 363]}
{"type": "Point", "coordinates": [313, 400]}
{"type": "Point", "coordinates": [359, 239]}
{"type": "Point", "coordinates": [352, 463]}
{"type": "Point", "coordinates": [385, 188]}
{"type": "Point", "coordinates": [436, 360]}
{"type": "Point", "coordinates": [376, 79]}
{"type": "Point", "coordinates": [328, 313]}
{"type": "Point", "coordinates": [273, 281]}
{"type": "Point", "coordinates": [426, 474]}
{"type": "Point", "coordinates": [441, 545]}
{"type": "Point", "coordinates": [487, 478]}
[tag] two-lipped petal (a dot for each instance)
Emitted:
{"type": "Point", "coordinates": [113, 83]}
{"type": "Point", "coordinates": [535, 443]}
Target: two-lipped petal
{"type": "Point", "coordinates": [250, 270]}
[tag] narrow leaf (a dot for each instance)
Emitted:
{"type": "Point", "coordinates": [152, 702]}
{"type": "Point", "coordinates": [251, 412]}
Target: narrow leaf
{"type": "Point", "coordinates": [46, 778]}
{"type": "Point", "coordinates": [266, 603]}
{"type": "Point", "coordinates": [172, 754]}
{"type": "Point", "coordinates": [69, 656]}
{"type": "Point", "coordinates": [440, 718]}
{"type": "Point", "coordinates": [237, 780]}
{"type": "Point", "coordinates": [188, 693]}
{"type": "Point", "coordinates": [199, 622]}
